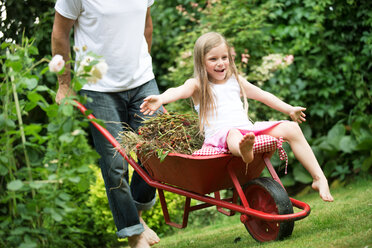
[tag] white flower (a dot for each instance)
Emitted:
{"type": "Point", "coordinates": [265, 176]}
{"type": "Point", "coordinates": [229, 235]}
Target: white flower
{"type": "Point", "coordinates": [90, 66]}
{"type": "Point", "coordinates": [56, 64]}
{"type": "Point", "coordinates": [84, 62]}
{"type": "Point", "coordinates": [96, 72]}
{"type": "Point", "coordinates": [99, 70]}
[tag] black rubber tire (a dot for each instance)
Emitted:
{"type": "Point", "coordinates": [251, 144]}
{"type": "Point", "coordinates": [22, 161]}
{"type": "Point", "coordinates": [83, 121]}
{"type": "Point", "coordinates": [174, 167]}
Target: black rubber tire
{"type": "Point", "coordinates": [267, 195]}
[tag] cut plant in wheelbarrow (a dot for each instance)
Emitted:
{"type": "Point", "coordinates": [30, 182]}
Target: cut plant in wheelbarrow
{"type": "Point", "coordinates": [169, 148]}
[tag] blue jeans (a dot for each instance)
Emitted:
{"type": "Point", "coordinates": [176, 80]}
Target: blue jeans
{"type": "Point", "coordinates": [125, 200]}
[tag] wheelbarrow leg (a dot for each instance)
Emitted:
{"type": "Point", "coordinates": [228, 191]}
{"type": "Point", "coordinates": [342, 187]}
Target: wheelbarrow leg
{"type": "Point", "coordinates": [271, 169]}
{"type": "Point", "coordinates": [222, 210]}
{"type": "Point", "coordinates": [237, 185]}
{"type": "Point", "coordinates": [166, 213]}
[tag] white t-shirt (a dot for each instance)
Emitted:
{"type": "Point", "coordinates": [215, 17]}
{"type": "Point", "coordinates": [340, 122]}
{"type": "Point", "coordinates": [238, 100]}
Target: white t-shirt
{"type": "Point", "coordinates": [113, 29]}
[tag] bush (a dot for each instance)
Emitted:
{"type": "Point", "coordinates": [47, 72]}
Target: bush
{"type": "Point", "coordinates": [44, 168]}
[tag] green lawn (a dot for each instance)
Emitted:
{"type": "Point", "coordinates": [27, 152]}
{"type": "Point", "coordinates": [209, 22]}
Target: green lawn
{"type": "Point", "coordinates": [347, 222]}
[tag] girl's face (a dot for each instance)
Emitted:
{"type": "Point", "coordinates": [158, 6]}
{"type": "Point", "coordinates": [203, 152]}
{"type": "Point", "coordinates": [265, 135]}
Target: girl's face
{"type": "Point", "coordinates": [217, 63]}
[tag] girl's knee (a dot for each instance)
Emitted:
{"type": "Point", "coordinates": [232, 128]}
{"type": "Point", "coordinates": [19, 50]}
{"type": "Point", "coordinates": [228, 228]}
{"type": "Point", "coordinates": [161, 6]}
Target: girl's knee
{"type": "Point", "coordinates": [234, 132]}
{"type": "Point", "coordinates": [294, 126]}
{"type": "Point", "coordinates": [290, 129]}
{"type": "Point", "coordinates": [293, 130]}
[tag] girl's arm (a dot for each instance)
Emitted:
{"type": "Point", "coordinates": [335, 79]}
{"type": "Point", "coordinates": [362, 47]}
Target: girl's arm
{"type": "Point", "coordinates": [253, 92]}
{"type": "Point", "coordinates": [152, 103]}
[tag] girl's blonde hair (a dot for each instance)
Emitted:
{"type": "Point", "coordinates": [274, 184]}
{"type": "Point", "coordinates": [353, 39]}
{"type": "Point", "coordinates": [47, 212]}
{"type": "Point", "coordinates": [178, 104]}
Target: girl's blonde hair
{"type": "Point", "coordinates": [207, 104]}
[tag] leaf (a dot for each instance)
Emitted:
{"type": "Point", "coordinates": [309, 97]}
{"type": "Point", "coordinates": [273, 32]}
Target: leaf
{"type": "Point", "coordinates": [33, 50]}
{"type": "Point", "coordinates": [33, 129]}
{"type": "Point", "coordinates": [36, 185]}
{"type": "Point", "coordinates": [65, 196]}
{"type": "Point", "coordinates": [78, 83]}
{"type": "Point", "coordinates": [347, 144]}
{"type": "Point", "coordinates": [56, 216]}
{"type": "Point", "coordinates": [288, 181]}
{"type": "Point", "coordinates": [52, 110]}
{"type": "Point", "coordinates": [6, 122]}
{"type": "Point", "coordinates": [67, 110]}
{"type": "Point", "coordinates": [42, 88]}
{"type": "Point", "coordinates": [83, 169]}
{"type": "Point", "coordinates": [15, 185]}
{"type": "Point", "coordinates": [19, 231]}
{"type": "Point", "coordinates": [301, 175]}
{"type": "Point", "coordinates": [134, 156]}
{"type": "Point", "coordinates": [335, 135]}
{"type": "Point", "coordinates": [74, 179]}
{"type": "Point", "coordinates": [4, 45]}
{"type": "Point", "coordinates": [46, 69]}
{"type": "Point", "coordinates": [28, 244]}
{"type": "Point", "coordinates": [162, 154]}
{"type": "Point", "coordinates": [15, 65]}
{"type": "Point", "coordinates": [3, 170]}
{"type": "Point", "coordinates": [30, 83]}
{"type": "Point", "coordinates": [365, 144]}
{"type": "Point", "coordinates": [66, 138]}
{"type": "Point", "coordinates": [52, 177]}
{"type": "Point", "coordinates": [53, 127]}
{"type": "Point", "coordinates": [336, 131]}
{"type": "Point", "coordinates": [329, 167]}
{"type": "Point", "coordinates": [34, 97]}
{"type": "Point", "coordinates": [367, 164]}
{"type": "Point", "coordinates": [83, 185]}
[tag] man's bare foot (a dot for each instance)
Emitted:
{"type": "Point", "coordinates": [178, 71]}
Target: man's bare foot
{"type": "Point", "coordinates": [321, 185]}
{"type": "Point", "coordinates": [151, 237]}
{"type": "Point", "coordinates": [246, 147]}
{"type": "Point", "coordinates": [138, 241]}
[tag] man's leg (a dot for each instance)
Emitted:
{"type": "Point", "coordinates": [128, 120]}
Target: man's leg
{"type": "Point", "coordinates": [105, 106]}
{"type": "Point", "coordinates": [143, 194]}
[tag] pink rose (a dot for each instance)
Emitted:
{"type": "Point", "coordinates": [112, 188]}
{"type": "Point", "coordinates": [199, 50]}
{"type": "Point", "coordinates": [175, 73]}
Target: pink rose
{"type": "Point", "coordinates": [289, 59]}
{"type": "Point", "coordinates": [56, 64]}
{"type": "Point", "coordinates": [245, 58]}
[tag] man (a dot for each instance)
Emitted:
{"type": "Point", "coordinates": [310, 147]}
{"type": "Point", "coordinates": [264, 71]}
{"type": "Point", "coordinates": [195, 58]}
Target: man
{"type": "Point", "coordinates": [121, 32]}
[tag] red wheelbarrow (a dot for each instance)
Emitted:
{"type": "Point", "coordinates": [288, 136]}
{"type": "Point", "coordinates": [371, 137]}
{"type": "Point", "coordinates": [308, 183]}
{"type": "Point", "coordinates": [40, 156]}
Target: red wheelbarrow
{"type": "Point", "coordinates": [265, 208]}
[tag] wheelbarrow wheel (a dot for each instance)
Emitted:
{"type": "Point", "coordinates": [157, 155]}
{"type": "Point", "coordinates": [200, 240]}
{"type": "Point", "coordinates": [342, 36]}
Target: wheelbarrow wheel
{"type": "Point", "coordinates": [267, 195]}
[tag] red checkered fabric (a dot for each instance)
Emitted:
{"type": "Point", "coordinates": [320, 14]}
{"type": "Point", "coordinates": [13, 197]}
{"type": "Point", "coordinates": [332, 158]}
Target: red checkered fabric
{"type": "Point", "coordinates": [263, 143]}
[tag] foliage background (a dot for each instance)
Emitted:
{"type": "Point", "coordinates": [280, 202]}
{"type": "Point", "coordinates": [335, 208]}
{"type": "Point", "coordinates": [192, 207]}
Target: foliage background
{"type": "Point", "coordinates": [51, 192]}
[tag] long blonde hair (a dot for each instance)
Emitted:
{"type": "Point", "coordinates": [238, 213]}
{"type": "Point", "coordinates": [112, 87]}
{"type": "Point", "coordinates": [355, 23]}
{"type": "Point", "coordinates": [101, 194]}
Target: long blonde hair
{"type": "Point", "coordinates": [207, 104]}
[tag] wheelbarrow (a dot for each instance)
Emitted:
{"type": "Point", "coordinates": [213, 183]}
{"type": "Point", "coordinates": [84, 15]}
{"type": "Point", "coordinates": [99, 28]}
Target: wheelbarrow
{"type": "Point", "coordinates": [265, 209]}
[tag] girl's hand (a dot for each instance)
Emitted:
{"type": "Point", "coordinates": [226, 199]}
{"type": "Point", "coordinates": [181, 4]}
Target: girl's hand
{"type": "Point", "coordinates": [297, 114]}
{"type": "Point", "coordinates": [150, 104]}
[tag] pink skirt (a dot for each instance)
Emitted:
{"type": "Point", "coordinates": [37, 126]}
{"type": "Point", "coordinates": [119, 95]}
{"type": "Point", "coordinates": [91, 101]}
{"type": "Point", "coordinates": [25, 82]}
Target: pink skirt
{"type": "Point", "coordinates": [219, 140]}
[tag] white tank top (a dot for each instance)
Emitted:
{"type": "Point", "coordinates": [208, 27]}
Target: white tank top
{"type": "Point", "coordinates": [230, 111]}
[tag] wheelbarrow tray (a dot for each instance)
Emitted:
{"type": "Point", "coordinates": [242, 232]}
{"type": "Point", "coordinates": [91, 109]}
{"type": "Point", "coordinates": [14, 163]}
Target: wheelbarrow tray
{"type": "Point", "coordinates": [201, 174]}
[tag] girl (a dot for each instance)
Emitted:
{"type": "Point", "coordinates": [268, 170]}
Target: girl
{"type": "Point", "coordinates": [216, 91]}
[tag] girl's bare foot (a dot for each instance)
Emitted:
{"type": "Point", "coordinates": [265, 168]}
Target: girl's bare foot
{"type": "Point", "coordinates": [151, 237]}
{"type": "Point", "coordinates": [321, 185]}
{"type": "Point", "coordinates": [246, 147]}
{"type": "Point", "coordinates": [138, 241]}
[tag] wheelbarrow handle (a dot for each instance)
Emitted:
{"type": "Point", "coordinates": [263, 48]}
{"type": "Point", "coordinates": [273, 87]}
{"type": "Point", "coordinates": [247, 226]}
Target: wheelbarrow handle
{"type": "Point", "coordinates": [102, 130]}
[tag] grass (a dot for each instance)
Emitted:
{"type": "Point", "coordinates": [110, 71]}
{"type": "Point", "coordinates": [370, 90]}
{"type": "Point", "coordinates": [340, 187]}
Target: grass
{"type": "Point", "coordinates": [347, 222]}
